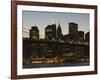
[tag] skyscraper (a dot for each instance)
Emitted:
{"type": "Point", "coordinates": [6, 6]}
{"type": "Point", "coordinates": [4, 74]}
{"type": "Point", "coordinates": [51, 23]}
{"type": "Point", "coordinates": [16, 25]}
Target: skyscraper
{"type": "Point", "coordinates": [73, 28]}
{"type": "Point", "coordinates": [54, 31]}
{"type": "Point", "coordinates": [59, 32]}
{"type": "Point", "coordinates": [50, 32]}
{"type": "Point", "coordinates": [34, 32]}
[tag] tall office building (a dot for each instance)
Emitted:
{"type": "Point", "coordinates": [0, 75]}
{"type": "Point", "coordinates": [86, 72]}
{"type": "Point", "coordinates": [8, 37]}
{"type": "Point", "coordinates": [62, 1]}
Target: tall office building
{"type": "Point", "coordinates": [50, 32]}
{"type": "Point", "coordinates": [34, 32]}
{"type": "Point", "coordinates": [73, 28]}
{"type": "Point", "coordinates": [59, 32]}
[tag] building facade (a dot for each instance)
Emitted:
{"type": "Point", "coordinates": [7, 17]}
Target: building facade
{"type": "Point", "coordinates": [73, 28]}
{"type": "Point", "coordinates": [80, 36]}
{"type": "Point", "coordinates": [50, 32]}
{"type": "Point", "coordinates": [87, 37]}
{"type": "Point", "coordinates": [34, 32]}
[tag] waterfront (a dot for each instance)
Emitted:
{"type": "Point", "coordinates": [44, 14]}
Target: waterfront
{"type": "Point", "coordinates": [55, 65]}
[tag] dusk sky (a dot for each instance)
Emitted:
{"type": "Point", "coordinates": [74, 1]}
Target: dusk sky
{"type": "Point", "coordinates": [42, 19]}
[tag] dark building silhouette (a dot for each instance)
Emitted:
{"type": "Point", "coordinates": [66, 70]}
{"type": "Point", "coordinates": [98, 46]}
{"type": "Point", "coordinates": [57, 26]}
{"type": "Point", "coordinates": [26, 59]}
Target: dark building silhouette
{"type": "Point", "coordinates": [87, 40]}
{"type": "Point", "coordinates": [73, 28]}
{"type": "Point", "coordinates": [34, 32]}
{"type": "Point", "coordinates": [59, 32]}
{"type": "Point", "coordinates": [80, 36]}
{"type": "Point", "coordinates": [73, 37]}
{"type": "Point", "coordinates": [87, 37]}
{"type": "Point", "coordinates": [66, 37]}
{"type": "Point", "coordinates": [50, 32]}
{"type": "Point", "coordinates": [73, 31]}
{"type": "Point", "coordinates": [27, 48]}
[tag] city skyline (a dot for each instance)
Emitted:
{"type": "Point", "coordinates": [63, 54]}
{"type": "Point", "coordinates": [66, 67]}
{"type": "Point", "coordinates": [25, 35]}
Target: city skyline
{"type": "Point", "coordinates": [57, 49]}
{"type": "Point", "coordinates": [42, 19]}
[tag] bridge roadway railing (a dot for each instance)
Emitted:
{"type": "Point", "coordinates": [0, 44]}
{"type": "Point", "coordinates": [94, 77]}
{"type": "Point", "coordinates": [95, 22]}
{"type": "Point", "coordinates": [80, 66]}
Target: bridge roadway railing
{"type": "Point", "coordinates": [57, 42]}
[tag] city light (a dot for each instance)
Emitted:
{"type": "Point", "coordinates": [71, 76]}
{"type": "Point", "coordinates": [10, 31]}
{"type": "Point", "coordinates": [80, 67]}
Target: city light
{"type": "Point", "coordinates": [56, 48]}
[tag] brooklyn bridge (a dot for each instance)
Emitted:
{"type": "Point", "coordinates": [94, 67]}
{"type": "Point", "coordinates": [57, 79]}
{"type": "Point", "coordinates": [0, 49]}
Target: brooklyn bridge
{"type": "Point", "coordinates": [41, 52]}
{"type": "Point", "coordinates": [56, 49]}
